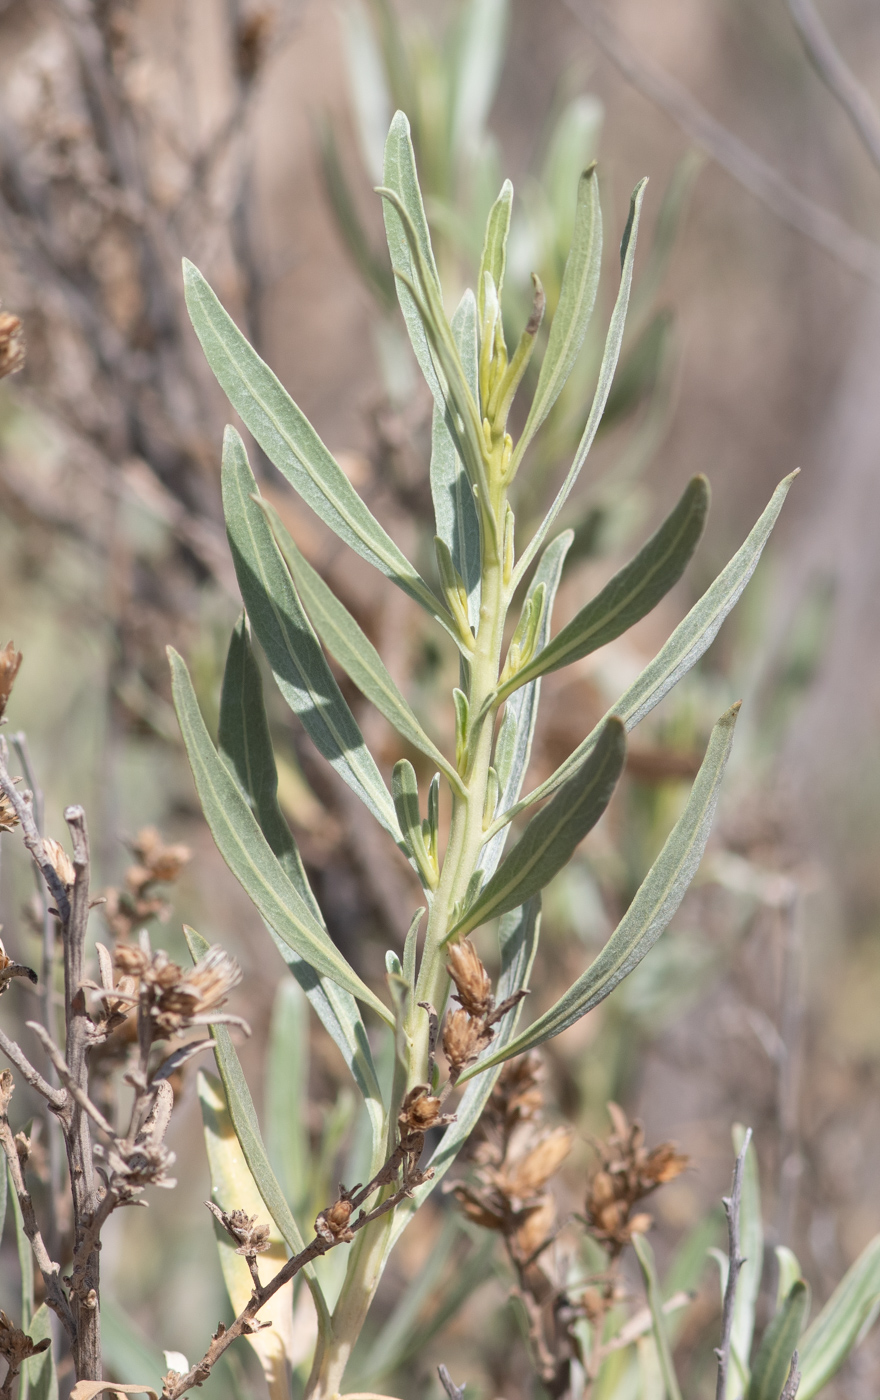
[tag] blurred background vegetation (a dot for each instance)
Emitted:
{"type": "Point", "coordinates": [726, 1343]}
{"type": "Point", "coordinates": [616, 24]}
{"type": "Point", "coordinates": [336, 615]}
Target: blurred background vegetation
{"type": "Point", "coordinates": [135, 131]}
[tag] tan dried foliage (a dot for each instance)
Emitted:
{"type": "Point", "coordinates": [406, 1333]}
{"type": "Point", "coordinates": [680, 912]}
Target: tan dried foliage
{"type": "Point", "coordinates": [138, 901]}
{"type": "Point", "coordinates": [627, 1172]}
{"type": "Point", "coordinates": [10, 660]}
{"type": "Point", "coordinates": [12, 347]}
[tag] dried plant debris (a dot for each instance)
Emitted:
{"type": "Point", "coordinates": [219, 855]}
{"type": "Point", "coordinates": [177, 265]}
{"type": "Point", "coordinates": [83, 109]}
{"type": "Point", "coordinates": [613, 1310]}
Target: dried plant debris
{"type": "Point", "coordinates": [467, 1030]}
{"type": "Point", "coordinates": [177, 999]}
{"type": "Point", "coordinates": [628, 1172]}
{"type": "Point", "coordinates": [139, 901]}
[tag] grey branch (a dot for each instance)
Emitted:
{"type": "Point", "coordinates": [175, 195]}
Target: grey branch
{"type": "Point", "coordinates": [836, 74]}
{"type": "Point", "coordinates": [56, 1099]}
{"type": "Point", "coordinates": [790, 1389]}
{"type": "Point", "coordinates": [23, 804]}
{"type": "Point", "coordinates": [731, 1205]}
{"type": "Point", "coordinates": [455, 1392]}
{"type": "Point", "coordinates": [861, 255]}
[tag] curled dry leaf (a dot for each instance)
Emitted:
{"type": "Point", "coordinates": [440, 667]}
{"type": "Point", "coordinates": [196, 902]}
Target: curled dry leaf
{"type": "Point", "coordinates": [12, 348]}
{"type": "Point", "coordinates": [60, 862]}
{"type": "Point", "coordinates": [10, 660]}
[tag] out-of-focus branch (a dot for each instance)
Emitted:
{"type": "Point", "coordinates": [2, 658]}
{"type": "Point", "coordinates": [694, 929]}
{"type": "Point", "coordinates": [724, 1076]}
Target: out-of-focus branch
{"type": "Point", "coordinates": [731, 1205]}
{"type": "Point", "coordinates": [836, 74]}
{"type": "Point", "coordinates": [763, 180]}
{"type": "Point", "coordinates": [790, 1389]}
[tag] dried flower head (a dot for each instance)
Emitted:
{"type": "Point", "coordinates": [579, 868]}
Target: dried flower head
{"type": "Point", "coordinates": [627, 1172]}
{"type": "Point", "coordinates": [8, 815]}
{"type": "Point", "coordinates": [420, 1111]}
{"type": "Point", "coordinates": [136, 903]}
{"type": "Point", "coordinates": [159, 862]}
{"type": "Point", "coordinates": [10, 660]}
{"type": "Point", "coordinates": [129, 1170]}
{"type": "Point", "coordinates": [179, 999]}
{"type": "Point", "coordinates": [12, 347]}
{"type": "Point", "coordinates": [463, 1039]}
{"type": "Point", "coordinates": [526, 1176]}
{"type": "Point", "coordinates": [16, 1346]}
{"type": "Point", "coordinates": [472, 981]}
{"type": "Point", "coordinates": [250, 1238]}
{"type": "Point", "coordinates": [332, 1223]}
{"type": "Point", "coordinates": [60, 862]}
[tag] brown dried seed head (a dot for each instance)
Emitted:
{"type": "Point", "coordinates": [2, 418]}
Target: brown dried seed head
{"type": "Point", "coordinates": [471, 979]}
{"type": "Point", "coordinates": [481, 1211]}
{"type": "Point", "coordinates": [463, 1039]}
{"type": "Point", "coordinates": [8, 818]}
{"type": "Point", "coordinates": [158, 861]}
{"type": "Point", "coordinates": [60, 862]}
{"type": "Point", "coordinates": [663, 1163]}
{"type": "Point", "coordinates": [536, 1228]}
{"type": "Point", "coordinates": [12, 349]}
{"type": "Point", "coordinates": [419, 1111]}
{"type": "Point", "coordinates": [16, 1346]}
{"type": "Point", "coordinates": [131, 961]}
{"type": "Point", "coordinates": [527, 1176]}
{"type": "Point", "coordinates": [332, 1223]}
{"type": "Point", "coordinates": [10, 660]}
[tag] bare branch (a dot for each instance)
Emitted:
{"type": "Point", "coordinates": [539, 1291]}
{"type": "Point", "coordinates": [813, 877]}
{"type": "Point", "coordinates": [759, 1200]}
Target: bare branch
{"type": "Point", "coordinates": [455, 1392]}
{"type": "Point", "coordinates": [790, 1389]}
{"type": "Point", "coordinates": [836, 74]}
{"type": "Point", "coordinates": [56, 1098]}
{"type": "Point", "coordinates": [64, 1074]}
{"type": "Point", "coordinates": [824, 228]}
{"type": "Point", "coordinates": [731, 1205]}
{"type": "Point", "coordinates": [22, 802]}
{"type": "Point", "coordinates": [55, 1296]}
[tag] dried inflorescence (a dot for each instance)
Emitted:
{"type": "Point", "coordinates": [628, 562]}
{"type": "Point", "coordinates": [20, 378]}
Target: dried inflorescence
{"type": "Point", "coordinates": [250, 1238]}
{"type": "Point", "coordinates": [60, 862]}
{"type": "Point", "coordinates": [176, 999]}
{"type": "Point", "coordinates": [628, 1171]}
{"type": "Point", "coordinates": [16, 1346]}
{"type": "Point", "coordinates": [10, 660]}
{"type": "Point", "coordinates": [467, 1030]}
{"type": "Point", "coordinates": [138, 901]}
{"type": "Point", "coordinates": [129, 1170]}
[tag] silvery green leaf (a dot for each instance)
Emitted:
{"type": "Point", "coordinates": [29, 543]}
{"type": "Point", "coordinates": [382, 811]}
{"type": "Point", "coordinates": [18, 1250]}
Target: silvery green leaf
{"type": "Point", "coordinates": [645, 1256]}
{"type": "Point", "coordinates": [286, 1090]}
{"type": "Point", "coordinates": [39, 1376]}
{"type": "Point", "coordinates": [551, 837]}
{"type": "Point", "coordinates": [405, 789]}
{"type": "Point", "coordinates": [400, 176]}
{"type": "Point", "coordinates": [285, 634]}
{"type": "Point", "coordinates": [245, 745]}
{"type": "Point", "coordinates": [248, 854]}
{"type": "Point", "coordinates": [777, 1345]}
{"type": "Point", "coordinates": [631, 593]}
{"type": "Point", "coordinates": [372, 266]}
{"type": "Point", "coordinates": [577, 297]}
{"type": "Point", "coordinates": [613, 342]}
{"type": "Point", "coordinates": [655, 902]}
{"type": "Point", "coordinates": [126, 1348]}
{"type": "Point", "coordinates": [514, 744]}
{"type": "Point", "coordinates": [346, 641]}
{"type": "Point", "coordinates": [789, 1272]}
{"type": "Point", "coordinates": [290, 441]}
{"type": "Point", "coordinates": [494, 257]}
{"type": "Point", "coordinates": [477, 68]}
{"type": "Point", "coordinates": [691, 638]}
{"type": "Point", "coordinates": [571, 148]}
{"type": "Point", "coordinates": [244, 1120]}
{"type": "Point", "coordinates": [846, 1317]}
{"type": "Point", "coordinates": [518, 935]}
{"type": "Point", "coordinates": [455, 512]}
{"type": "Point", "coordinates": [748, 1284]}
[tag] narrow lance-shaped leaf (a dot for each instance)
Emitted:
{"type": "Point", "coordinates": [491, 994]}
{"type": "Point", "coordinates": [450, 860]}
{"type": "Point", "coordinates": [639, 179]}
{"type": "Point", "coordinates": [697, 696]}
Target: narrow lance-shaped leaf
{"type": "Point", "coordinates": [691, 638]}
{"type": "Point", "coordinates": [245, 745]}
{"type": "Point", "coordinates": [748, 1283]}
{"type": "Point", "coordinates": [247, 748]}
{"type": "Point", "coordinates": [518, 935]}
{"type": "Point", "coordinates": [401, 176]}
{"type": "Point", "coordinates": [777, 1345]}
{"type": "Point", "coordinates": [233, 1188]}
{"type": "Point", "coordinates": [239, 1107]}
{"type": "Point", "coordinates": [655, 902]}
{"type": "Point", "coordinates": [577, 297]}
{"type": "Point", "coordinates": [455, 511]}
{"type": "Point", "coordinates": [613, 342]}
{"type": "Point", "coordinates": [286, 1090]}
{"type": "Point", "coordinates": [286, 636]}
{"type": "Point", "coordinates": [346, 641]}
{"type": "Point", "coordinates": [406, 802]}
{"type": "Point", "coordinates": [845, 1318]}
{"type": "Point", "coordinates": [39, 1371]}
{"type": "Point", "coordinates": [551, 837]}
{"type": "Point", "coordinates": [631, 593]}
{"type": "Point", "coordinates": [290, 441]}
{"type": "Point", "coordinates": [494, 258]}
{"type": "Point", "coordinates": [514, 744]}
{"type": "Point", "coordinates": [645, 1256]}
{"type": "Point", "coordinates": [247, 852]}
{"type": "Point", "coordinates": [478, 59]}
